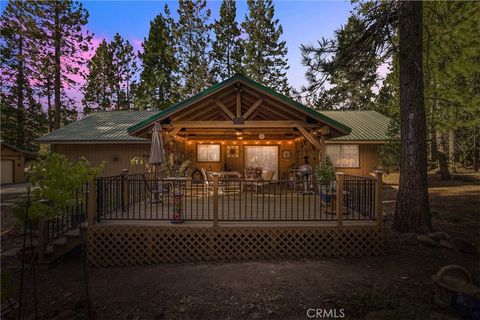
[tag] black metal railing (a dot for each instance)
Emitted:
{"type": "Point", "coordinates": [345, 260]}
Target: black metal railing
{"type": "Point", "coordinates": [71, 217]}
{"type": "Point", "coordinates": [140, 197]}
{"type": "Point", "coordinates": [359, 198]}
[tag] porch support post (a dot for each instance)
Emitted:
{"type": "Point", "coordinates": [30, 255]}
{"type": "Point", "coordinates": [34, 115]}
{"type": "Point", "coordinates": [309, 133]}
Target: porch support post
{"type": "Point", "coordinates": [92, 202]}
{"type": "Point", "coordinates": [215, 201]}
{"type": "Point", "coordinates": [379, 197]}
{"type": "Point", "coordinates": [339, 198]}
{"type": "Point", "coordinates": [42, 239]}
{"type": "Point", "coordinates": [125, 189]}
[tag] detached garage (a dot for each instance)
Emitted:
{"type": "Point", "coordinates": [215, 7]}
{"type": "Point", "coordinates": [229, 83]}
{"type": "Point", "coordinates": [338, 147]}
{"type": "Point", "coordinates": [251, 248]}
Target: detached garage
{"type": "Point", "coordinates": [13, 162]}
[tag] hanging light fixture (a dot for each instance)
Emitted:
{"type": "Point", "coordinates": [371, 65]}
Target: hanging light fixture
{"type": "Point", "coordinates": [261, 136]}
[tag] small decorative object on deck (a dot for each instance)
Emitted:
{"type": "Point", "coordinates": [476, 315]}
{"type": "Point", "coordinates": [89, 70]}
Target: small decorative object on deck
{"type": "Point", "coordinates": [177, 208]}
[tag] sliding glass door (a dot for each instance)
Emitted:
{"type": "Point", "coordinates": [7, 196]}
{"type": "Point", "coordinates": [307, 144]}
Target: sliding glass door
{"type": "Point", "coordinates": [265, 157]}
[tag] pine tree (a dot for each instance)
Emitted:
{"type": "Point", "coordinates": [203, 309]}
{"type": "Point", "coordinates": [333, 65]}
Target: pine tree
{"type": "Point", "coordinates": [124, 70]}
{"type": "Point", "coordinates": [265, 54]}
{"type": "Point", "coordinates": [99, 81]}
{"type": "Point", "coordinates": [158, 86]}
{"type": "Point", "coordinates": [227, 50]}
{"type": "Point", "coordinates": [335, 85]}
{"type": "Point", "coordinates": [18, 104]}
{"type": "Point", "coordinates": [193, 40]}
{"type": "Point", "coordinates": [63, 40]}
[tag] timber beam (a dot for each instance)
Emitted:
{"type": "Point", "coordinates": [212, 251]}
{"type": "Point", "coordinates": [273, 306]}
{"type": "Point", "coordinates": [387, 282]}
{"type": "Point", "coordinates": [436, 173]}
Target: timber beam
{"type": "Point", "coordinates": [224, 109]}
{"type": "Point", "coordinates": [308, 136]}
{"type": "Point", "coordinates": [246, 124]}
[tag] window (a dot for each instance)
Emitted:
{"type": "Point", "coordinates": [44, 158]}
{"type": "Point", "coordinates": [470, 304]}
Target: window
{"type": "Point", "coordinates": [265, 157]}
{"type": "Point", "coordinates": [208, 152]}
{"type": "Point", "coordinates": [344, 155]}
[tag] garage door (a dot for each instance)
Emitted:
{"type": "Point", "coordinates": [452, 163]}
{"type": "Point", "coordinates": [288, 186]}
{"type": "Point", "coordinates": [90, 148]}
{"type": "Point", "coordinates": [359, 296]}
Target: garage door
{"type": "Point", "coordinates": [6, 172]}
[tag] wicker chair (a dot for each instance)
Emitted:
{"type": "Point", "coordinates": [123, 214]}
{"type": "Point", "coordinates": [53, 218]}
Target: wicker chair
{"type": "Point", "coordinates": [253, 179]}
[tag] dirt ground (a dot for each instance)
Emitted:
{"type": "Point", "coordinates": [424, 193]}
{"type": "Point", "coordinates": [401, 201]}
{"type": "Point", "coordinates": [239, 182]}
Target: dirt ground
{"type": "Point", "coordinates": [395, 286]}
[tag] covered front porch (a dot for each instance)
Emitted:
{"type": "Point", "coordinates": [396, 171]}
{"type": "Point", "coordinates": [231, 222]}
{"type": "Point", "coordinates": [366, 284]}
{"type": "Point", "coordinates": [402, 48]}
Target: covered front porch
{"type": "Point", "coordinates": [250, 191]}
{"type": "Point", "coordinates": [240, 124]}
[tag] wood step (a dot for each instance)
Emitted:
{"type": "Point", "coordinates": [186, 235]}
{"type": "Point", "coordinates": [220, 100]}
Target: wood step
{"type": "Point", "coordinates": [60, 242]}
{"type": "Point", "coordinates": [75, 233]}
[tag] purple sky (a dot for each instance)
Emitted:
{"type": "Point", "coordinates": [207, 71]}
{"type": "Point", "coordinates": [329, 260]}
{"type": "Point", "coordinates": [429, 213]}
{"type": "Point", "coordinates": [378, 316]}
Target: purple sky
{"type": "Point", "coordinates": [303, 22]}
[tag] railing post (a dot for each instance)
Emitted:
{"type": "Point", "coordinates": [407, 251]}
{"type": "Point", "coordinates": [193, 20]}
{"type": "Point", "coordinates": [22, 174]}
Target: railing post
{"type": "Point", "coordinates": [42, 239]}
{"type": "Point", "coordinates": [339, 198]}
{"type": "Point", "coordinates": [125, 189]}
{"type": "Point", "coordinates": [92, 202]}
{"type": "Point", "coordinates": [215, 200]}
{"type": "Point", "coordinates": [379, 197]}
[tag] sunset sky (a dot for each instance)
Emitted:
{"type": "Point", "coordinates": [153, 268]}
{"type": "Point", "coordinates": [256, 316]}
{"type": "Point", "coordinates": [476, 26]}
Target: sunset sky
{"type": "Point", "coordinates": [302, 21]}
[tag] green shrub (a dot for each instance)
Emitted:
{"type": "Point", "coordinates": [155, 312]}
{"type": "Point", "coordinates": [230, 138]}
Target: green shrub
{"type": "Point", "coordinates": [56, 180]}
{"type": "Point", "coordinates": [325, 171]}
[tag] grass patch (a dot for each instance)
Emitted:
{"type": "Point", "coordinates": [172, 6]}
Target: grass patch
{"type": "Point", "coordinates": [447, 216]}
{"type": "Point", "coordinates": [360, 303]}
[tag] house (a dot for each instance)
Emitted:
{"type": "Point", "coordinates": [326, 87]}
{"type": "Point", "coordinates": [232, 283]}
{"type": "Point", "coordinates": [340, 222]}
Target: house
{"type": "Point", "coordinates": [232, 125]}
{"type": "Point", "coordinates": [13, 161]}
{"type": "Point", "coordinates": [220, 210]}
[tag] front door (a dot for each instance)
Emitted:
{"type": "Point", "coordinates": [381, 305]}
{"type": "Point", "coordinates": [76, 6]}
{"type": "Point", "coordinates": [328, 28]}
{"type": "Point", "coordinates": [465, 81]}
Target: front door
{"type": "Point", "coordinates": [265, 157]}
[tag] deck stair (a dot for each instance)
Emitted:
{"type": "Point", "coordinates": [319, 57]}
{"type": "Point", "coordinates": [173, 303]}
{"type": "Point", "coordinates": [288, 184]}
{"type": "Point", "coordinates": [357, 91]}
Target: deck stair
{"type": "Point", "coordinates": [61, 246]}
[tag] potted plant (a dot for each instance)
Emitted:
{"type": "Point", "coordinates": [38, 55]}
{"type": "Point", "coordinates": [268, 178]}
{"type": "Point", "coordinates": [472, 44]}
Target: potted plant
{"type": "Point", "coordinates": [325, 173]}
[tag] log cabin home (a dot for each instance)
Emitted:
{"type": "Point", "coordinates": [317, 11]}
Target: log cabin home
{"type": "Point", "coordinates": [249, 192]}
{"type": "Point", "coordinates": [230, 126]}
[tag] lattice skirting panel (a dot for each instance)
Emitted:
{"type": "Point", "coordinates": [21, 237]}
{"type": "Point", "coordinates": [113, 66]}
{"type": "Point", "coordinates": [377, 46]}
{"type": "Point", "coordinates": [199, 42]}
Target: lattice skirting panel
{"type": "Point", "coordinates": [128, 245]}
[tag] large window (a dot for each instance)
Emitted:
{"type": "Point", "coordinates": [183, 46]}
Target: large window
{"type": "Point", "coordinates": [265, 157]}
{"type": "Point", "coordinates": [208, 152]}
{"type": "Point", "coordinates": [344, 155]}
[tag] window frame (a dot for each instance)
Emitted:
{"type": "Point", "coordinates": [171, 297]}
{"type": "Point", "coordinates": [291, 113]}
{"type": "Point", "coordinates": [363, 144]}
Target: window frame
{"type": "Point", "coordinates": [207, 145]}
{"type": "Point", "coordinates": [341, 145]}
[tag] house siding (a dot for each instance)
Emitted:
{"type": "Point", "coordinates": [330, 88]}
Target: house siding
{"type": "Point", "coordinates": [116, 155]}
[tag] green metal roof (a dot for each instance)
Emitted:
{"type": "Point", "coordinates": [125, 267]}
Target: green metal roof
{"type": "Point", "coordinates": [249, 82]}
{"type": "Point", "coordinates": [112, 126]}
{"type": "Point", "coordinates": [366, 125]}
{"type": "Point", "coordinates": [99, 126]}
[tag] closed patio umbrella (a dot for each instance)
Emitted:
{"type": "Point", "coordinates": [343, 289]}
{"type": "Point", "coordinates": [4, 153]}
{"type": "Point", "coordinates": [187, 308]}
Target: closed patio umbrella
{"type": "Point", "coordinates": [156, 148]}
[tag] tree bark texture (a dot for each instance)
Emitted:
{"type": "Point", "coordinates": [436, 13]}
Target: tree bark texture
{"type": "Point", "coordinates": [57, 68]}
{"type": "Point", "coordinates": [412, 212]}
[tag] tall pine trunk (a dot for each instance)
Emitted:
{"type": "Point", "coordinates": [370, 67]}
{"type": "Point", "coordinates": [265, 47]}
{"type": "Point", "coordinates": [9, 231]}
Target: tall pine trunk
{"type": "Point", "coordinates": [476, 150]}
{"type": "Point", "coordinates": [57, 69]}
{"type": "Point", "coordinates": [412, 212]}
{"type": "Point", "coordinates": [443, 157]}
{"type": "Point", "coordinates": [20, 114]}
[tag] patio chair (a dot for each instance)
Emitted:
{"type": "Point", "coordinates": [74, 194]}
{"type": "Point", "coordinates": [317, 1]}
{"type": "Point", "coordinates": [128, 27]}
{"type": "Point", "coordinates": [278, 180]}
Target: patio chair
{"type": "Point", "coordinates": [207, 182]}
{"type": "Point", "coordinates": [156, 190]}
{"type": "Point", "coordinates": [253, 179]}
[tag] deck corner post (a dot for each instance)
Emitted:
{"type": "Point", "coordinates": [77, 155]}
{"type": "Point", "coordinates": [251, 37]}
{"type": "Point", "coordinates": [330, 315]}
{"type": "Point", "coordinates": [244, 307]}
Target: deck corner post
{"type": "Point", "coordinates": [379, 197]}
{"type": "Point", "coordinates": [215, 200]}
{"type": "Point", "coordinates": [339, 198]}
{"type": "Point", "coordinates": [125, 191]}
{"type": "Point", "coordinates": [92, 202]}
